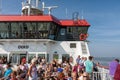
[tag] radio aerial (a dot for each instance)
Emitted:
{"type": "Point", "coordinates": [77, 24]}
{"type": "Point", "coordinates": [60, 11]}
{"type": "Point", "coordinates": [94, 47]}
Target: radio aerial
{"type": "Point", "coordinates": [49, 8]}
{"type": "Point", "coordinates": [0, 6]}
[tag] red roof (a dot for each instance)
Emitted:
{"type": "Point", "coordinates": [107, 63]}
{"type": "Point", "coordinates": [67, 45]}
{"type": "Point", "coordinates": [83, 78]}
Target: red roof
{"type": "Point", "coordinates": [74, 23]}
{"type": "Point", "coordinates": [28, 18]}
{"type": "Point", "coordinates": [49, 18]}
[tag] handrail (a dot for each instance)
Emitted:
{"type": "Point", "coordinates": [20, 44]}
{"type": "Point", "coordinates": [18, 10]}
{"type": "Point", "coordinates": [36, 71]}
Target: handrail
{"type": "Point", "coordinates": [101, 74]}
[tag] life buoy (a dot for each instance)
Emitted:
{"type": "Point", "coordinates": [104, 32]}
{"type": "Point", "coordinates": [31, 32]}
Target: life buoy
{"type": "Point", "coordinates": [83, 37]}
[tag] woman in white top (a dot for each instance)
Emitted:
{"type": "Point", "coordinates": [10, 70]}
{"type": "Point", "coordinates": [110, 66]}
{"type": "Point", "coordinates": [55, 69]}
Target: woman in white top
{"type": "Point", "coordinates": [32, 72]}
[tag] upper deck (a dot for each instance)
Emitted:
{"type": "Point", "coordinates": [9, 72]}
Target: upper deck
{"type": "Point", "coordinates": [41, 27]}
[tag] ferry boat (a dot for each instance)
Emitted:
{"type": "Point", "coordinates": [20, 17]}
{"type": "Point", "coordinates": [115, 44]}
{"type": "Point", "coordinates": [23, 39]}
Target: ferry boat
{"type": "Point", "coordinates": [35, 34]}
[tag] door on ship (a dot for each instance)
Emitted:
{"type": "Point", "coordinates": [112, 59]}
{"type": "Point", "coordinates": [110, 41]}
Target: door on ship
{"type": "Point", "coordinates": [16, 57]}
{"type": "Point", "coordinates": [65, 57]}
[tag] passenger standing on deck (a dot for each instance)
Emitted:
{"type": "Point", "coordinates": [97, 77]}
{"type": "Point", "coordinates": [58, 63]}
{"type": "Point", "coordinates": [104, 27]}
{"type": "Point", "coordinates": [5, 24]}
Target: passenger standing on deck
{"type": "Point", "coordinates": [32, 72]}
{"type": "Point", "coordinates": [24, 68]}
{"type": "Point", "coordinates": [74, 76]}
{"type": "Point", "coordinates": [78, 59]}
{"type": "Point", "coordinates": [85, 76]}
{"type": "Point", "coordinates": [8, 71]}
{"type": "Point", "coordinates": [89, 66]}
{"type": "Point", "coordinates": [13, 75]}
{"type": "Point", "coordinates": [117, 73]}
{"type": "Point", "coordinates": [112, 67]}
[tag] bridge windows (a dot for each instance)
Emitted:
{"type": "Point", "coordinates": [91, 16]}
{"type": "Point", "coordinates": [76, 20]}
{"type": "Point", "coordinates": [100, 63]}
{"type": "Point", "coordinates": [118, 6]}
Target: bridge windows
{"type": "Point", "coordinates": [53, 31]}
{"type": "Point", "coordinates": [82, 30]}
{"type": "Point", "coordinates": [40, 30]}
{"type": "Point", "coordinates": [62, 32]}
{"type": "Point", "coordinates": [71, 30]}
{"type": "Point", "coordinates": [4, 30]}
{"type": "Point", "coordinates": [15, 30]}
{"type": "Point", "coordinates": [74, 32]}
{"type": "Point", "coordinates": [27, 30]}
{"type": "Point", "coordinates": [43, 29]}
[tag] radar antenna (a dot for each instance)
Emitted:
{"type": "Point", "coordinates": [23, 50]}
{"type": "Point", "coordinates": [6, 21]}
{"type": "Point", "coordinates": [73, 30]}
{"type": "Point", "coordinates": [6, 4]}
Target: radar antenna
{"type": "Point", "coordinates": [49, 8]}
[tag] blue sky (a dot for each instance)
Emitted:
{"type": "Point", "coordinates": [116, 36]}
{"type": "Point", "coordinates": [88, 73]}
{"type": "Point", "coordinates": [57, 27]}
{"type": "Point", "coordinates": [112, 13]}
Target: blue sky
{"type": "Point", "coordinates": [103, 15]}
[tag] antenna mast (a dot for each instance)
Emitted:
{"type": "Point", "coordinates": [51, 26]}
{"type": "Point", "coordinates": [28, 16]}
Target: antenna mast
{"type": "Point", "coordinates": [29, 7]}
{"type": "Point", "coordinates": [49, 8]}
{"type": "Point", "coordinates": [0, 6]}
{"type": "Point", "coordinates": [82, 15]}
{"type": "Point", "coordinates": [66, 11]}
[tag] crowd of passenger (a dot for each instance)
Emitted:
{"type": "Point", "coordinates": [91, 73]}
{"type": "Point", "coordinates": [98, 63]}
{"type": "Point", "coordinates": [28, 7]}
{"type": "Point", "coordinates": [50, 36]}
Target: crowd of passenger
{"type": "Point", "coordinates": [67, 70]}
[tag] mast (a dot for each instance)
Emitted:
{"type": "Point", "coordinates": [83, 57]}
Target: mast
{"type": "Point", "coordinates": [0, 6]}
{"type": "Point", "coordinates": [29, 6]}
{"type": "Point", "coordinates": [49, 8]}
{"type": "Point", "coordinates": [37, 3]}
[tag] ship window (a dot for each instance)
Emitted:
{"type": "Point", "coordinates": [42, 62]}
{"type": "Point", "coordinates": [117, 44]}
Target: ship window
{"type": "Point", "coordinates": [43, 26]}
{"type": "Point", "coordinates": [15, 30]}
{"type": "Point", "coordinates": [43, 29]}
{"type": "Point", "coordinates": [72, 45]}
{"type": "Point", "coordinates": [65, 57]}
{"type": "Point", "coordinates": [46, 56]}
{"type": "Point", "coordinates": [29, 30]}
{"type": "Point", "coordinates": [69, 29]}
{"type": "Point", "coordinates": [4, 30]}
{"type": "Point", "coordinates": [82, 30]}
{"type": "Point", "coordinates": [55, 56]}
{"type": "Point", "coordinates": [62, 31]}
{"type": "Point", "coordinates": [52, 31]}
{"type": "Point", "coordinates": [30, 57]}
{"type": "Point", "coordinates": [84, 49]}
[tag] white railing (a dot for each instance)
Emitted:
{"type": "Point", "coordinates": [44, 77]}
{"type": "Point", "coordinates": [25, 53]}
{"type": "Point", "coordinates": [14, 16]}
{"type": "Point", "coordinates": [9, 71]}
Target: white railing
{"type": "Point", "coordinates": [102, 74]}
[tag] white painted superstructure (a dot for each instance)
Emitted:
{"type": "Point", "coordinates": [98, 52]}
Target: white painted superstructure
{"type": "Point", "coordinates": [36, 34]}
{"type": "Point", "coordinates": [44, 46]}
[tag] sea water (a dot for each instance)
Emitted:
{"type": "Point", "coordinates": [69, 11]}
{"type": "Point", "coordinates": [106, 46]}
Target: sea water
{"type": "Point", "coordinates": [105, 60]}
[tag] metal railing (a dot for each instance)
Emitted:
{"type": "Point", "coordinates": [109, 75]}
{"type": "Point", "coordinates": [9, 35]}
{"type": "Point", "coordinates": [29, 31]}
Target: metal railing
{"type": "Point", "coordinates": [102, 74]}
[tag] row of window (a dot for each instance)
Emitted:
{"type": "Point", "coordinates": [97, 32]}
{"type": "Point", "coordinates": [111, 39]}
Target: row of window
{"type": "Point", "coordinates": [38, 30]}
{"type": "Point", "coordinates": [28, 30]}
{"type": "Point", "coordinates": [15, 58]}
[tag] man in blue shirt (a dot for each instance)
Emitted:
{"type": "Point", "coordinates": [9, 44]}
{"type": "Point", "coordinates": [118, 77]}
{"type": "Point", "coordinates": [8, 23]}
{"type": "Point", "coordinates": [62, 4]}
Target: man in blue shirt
{"type": "Point", "coordinates": [8, 70]}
